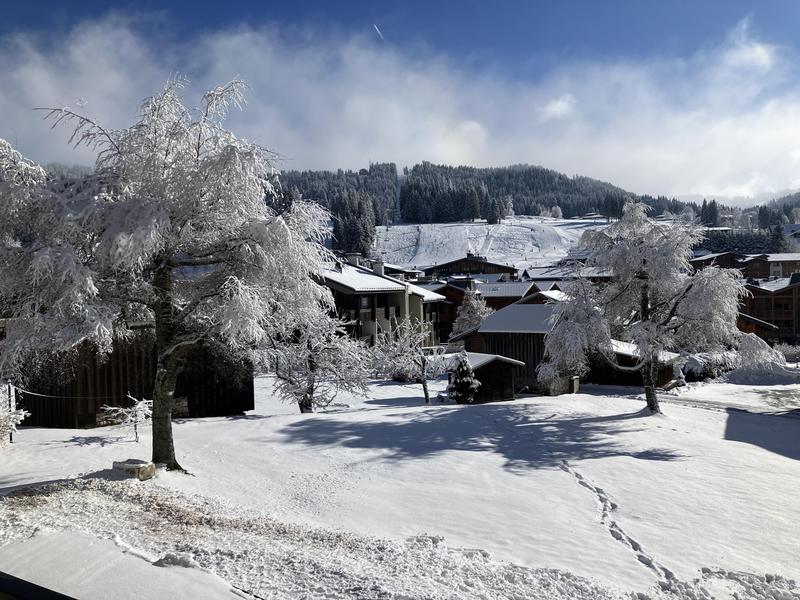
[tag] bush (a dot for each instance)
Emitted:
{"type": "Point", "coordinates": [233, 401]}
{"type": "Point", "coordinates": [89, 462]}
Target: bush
{"type": "Point", "coordinates": [790, 353]}
{"type": "Point", "coordinates": [463, 385]}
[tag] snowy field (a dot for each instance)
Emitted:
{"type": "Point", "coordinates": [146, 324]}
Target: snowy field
{"type": "Point", "coordinates": [521, 241]}
{"type": "Point", "coordinates": [544, 497]}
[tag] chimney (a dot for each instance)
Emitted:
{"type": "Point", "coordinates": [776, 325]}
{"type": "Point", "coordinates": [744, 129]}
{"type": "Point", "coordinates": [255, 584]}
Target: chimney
{"type": "Point", "coordinates": [353, 258]}
{"type": "Point", "coordinates": [377, 267]}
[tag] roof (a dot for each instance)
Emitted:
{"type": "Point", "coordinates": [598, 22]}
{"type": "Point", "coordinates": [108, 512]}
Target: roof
{"type": "Point", "coordinates": [770, 285]}
{"type": "Point", "coordinates": [519, 318]}
{"type": "Point", "coordinates": [474, 258]}
{"type": "Point", "coordinates": [554, 295]}
{"type": "Point", "coordinates": [515, 289]}
{"type": "Point", "coordinates": [432, 286]}
{"type": "Point", "coordinates": [545, 284]}
{"type": "Point", "coordinates": [781, 257]}
{"type": "Point", "coordinates": [359, 279]}
{"type": "Point", "coordinates": [478, 359]}
{"type": "Point", "coordinates": [709, 256]}
{"type": "Point", "coordinates": [561, 273]}
{"type": "Point", "coordinates": [759, 322]}
{"type": "Point", "coordinates": [424, 293]}
{"type": "Point", "coordinates": [631, 350]}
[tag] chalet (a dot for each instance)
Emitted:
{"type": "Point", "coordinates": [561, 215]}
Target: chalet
{"type": "Point", "coordinates": [501, 294]}
{"type": "Point", "coordinates": [495, 373]}
{"type": "Point", "coordinates": [71, 391]}
{"type": "Point", "coordinates": [371, 301]}
{"type": "Point", "coordinates": [750, 324]}
{"type": "Point", "coordinates": [777, 302]}
{"type": "Point", "coordinates": [470, 264]}
{"type": "Point", "coordinates": [516, 331]}
{"type": "Point", "coordinates": [566, 273]}
{"type": "Point", "coordinates": [546, 297]}
{"type": "Point", "coordinates": [724, 260]}
{"type": "Point", "coordinates": [760, 266]}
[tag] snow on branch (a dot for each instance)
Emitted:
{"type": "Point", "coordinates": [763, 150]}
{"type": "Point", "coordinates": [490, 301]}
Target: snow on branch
{"type": "Point", "coordinates": [139, 414]}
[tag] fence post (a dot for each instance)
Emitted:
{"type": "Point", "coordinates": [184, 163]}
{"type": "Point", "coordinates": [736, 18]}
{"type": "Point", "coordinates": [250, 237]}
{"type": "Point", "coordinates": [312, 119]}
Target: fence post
{"type": "Point", "coordinates": [10, 409]}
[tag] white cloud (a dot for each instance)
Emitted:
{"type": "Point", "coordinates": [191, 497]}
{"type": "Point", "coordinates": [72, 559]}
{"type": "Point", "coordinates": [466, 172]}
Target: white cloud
{"type": "Point", "coordinates": [558, 108]}
{"type": "Point", "coordinates": [725, 120]}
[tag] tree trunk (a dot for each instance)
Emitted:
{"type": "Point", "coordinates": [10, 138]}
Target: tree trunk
{"type": "Point", "coordinates": [306, 405]}
{"type": "Point", "coordinates": [163, 402]}
{"type": "Point", "coordinates": [649, 381]}
{"type": "Point", "coordinates": [424, 371]}
{"type": "Point", "coordinates": [166, 370]}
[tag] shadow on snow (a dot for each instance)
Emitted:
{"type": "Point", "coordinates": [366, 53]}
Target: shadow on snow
{"type": "Point", "coordinates": [770, 432]}
{"type": "Point", "coordinates": [521, 433]}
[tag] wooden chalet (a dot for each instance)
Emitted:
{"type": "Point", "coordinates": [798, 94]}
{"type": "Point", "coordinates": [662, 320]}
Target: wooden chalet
{"type": "Point", "coordinates": [777, 302]}
{"type": "Point", "coordinates": [69, 392]}
{"type": "Point", "coordinates": [470, 264]}
{"type": "Point", "coordinates": [495, 373]}
{"type": "Point", "coordinates": [750, 324]}
{"type": "Point", "coordinates": [761, 266]}
{"type": "Point", "coordinates": [724, 260]}
{"type": "Point", "coordinates": [517, 332]}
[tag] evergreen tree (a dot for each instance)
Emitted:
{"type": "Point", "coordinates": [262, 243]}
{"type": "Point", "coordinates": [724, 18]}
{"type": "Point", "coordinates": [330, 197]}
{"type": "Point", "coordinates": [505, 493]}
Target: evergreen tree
{"type": "Point", "coordinates": [463, 385]}
{"type": "Point", "coordinates": [777, 240]}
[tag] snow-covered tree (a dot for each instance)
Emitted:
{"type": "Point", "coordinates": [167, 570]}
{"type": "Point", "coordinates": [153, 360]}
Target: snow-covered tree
{"type": "Point", "coordinates": [317, 361]}
{"type": "Point", "coordinates": [139, 413]}
{"type": "Point", "coordinates": [401, 353]}
{"type": "Point", "coordinates": [10, 415]}
{"type": "Point", "coordinates": [471, 313]}
{"type": "Point", "coordinates": [463, 385]}
{"type": "Point", "coordinates": [170, 232]}
{"type": "Point", "coordinates": [654, 299]}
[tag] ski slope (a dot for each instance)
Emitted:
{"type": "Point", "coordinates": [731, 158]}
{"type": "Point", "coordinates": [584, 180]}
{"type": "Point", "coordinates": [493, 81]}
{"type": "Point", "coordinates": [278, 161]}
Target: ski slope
{"type": "Point", "coordinates": [520, 241]}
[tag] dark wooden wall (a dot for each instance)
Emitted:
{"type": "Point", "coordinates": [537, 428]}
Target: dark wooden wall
{"type": "Point", "coordinates": [525, 347]}
{"type": "Point", "coordinates": [497, 382]}
{"type": "Point", "coordinates": [212, 386]}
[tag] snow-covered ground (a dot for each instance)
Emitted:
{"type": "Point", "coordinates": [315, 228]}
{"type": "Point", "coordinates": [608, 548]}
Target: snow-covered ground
{"type": "Point", "coordinates": [545, 497]}
{"type": "Point", "coordinates": [521, 241]}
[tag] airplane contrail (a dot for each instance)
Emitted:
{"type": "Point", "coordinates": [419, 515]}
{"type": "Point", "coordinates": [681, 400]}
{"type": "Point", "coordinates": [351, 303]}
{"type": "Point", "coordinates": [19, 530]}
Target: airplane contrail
{"type": "Point", "coordinates": [380, 35]}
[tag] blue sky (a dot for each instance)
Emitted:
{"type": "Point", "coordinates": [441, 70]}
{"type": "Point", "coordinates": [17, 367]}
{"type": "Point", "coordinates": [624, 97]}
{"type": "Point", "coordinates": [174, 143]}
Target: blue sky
{"type": "Point", "coordinates": [680, 98]}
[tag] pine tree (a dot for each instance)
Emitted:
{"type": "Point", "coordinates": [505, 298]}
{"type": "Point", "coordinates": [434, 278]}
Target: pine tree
{"type": "Point", "coordinates": [463, 385]}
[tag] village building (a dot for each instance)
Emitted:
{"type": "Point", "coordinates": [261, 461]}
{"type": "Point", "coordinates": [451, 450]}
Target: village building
{"type": "Point", "coordinates": [776, 302]}
{"type": "Point", "coordinates": [470, 264]}
{"type": "Point", "coordinates": [779, 265]}
{"type": "Point", "coordinates": [372, 302]}
{"type": "Point", "coordinates": [495, 374]}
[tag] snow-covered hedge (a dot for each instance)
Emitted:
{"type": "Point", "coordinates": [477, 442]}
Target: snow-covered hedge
{"type": "Point", "coordinates": [790, 353]}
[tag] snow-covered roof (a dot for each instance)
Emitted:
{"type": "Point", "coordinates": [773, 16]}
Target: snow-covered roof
{"type": "Point", "coordinates": [432, 286]}
{"type": "Point", "coordinates": [363, 280]}
{"type": "Point", "coordinates": [478, 359]}
{"type": "Point", "coordinates": [519, 318]}
{"type": "Point", "coordinates": [632, 351]}
{"type": "Point", "coordinates": [554, 295]}
{"type": "Point", "coordinates": [561, 273]}
{"type": "Point", "coordinates": [503, 289]}
{"type": "Point", "coordinates": [770, 285]}
{"type": "Point", "coordinates": [426, 294]}
{"type": "Point", "coordinates": [709, 256]}
{"type": "Point", "coordinates": [780, 257]}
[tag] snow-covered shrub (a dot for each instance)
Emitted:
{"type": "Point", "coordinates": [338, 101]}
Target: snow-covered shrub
{"type": "Point", "coordinates": [790, 353]}
{"type": "Point", "coordinates": [705, 365]}
{"type": "Point", "coordinates": [463, 384]}
{"type": "Point", "coordinates": [10, 416]}
{"type": "Point", "coordinates": [758, 363]}
{"type": "Point", "coordinates": [471, 313]}
{"type": "Point", "coordinates": [140, 413]}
